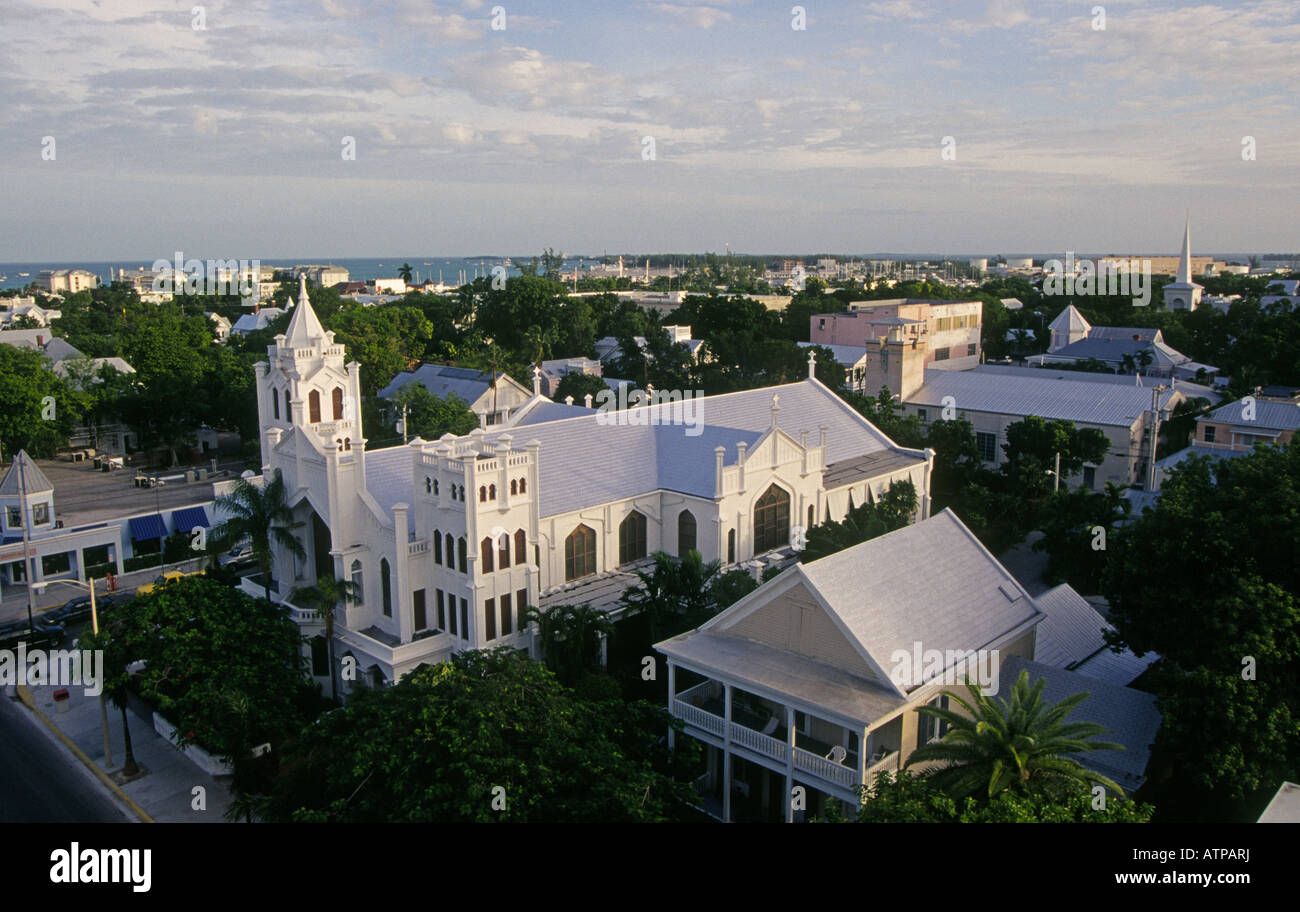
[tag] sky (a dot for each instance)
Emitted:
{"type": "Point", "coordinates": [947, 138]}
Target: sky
{"type": "Point", "coordinates": [126, 132]}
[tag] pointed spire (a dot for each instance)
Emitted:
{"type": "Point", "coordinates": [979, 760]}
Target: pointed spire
{"type": "Point", "coordinates": [1185, 260]}
{"type": "Point", "coordinates": [24, 477]}
{"type": "Point", "coordinates": [304, 329]}
{"type": "Point", "coordinates": [776, 409]}
{"type": "Point", "coordinates": [812, 364]}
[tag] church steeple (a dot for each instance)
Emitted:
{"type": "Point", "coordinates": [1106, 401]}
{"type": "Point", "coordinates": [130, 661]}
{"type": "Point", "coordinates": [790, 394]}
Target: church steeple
{"type": "Point", "coordinates": [304, 329]}
{"type": "Point", "coordinates": [1182, 293]}
{"type": "Point", "coordinates": [1185, 261]}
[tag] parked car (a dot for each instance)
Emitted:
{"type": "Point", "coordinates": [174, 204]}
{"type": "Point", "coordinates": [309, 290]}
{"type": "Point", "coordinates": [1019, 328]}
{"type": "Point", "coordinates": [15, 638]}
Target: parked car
{"type": "Point", "coordinates": [162, 578]}
{"type": "Point", "coordinates": [41, 635]}
{"type": "Point", "coordinates": [77, 610]}
{"type": "Point", "coordinates": [238, 556]}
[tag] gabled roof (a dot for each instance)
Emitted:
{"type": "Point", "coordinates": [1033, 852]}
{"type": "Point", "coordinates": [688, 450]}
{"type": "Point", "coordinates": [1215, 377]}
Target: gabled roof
{"type": "Point", "coordinates": [1071, 638]}
{"type": "Point", "coordinates": [1129, 716]}
{"type": "Point", "coordinates": [931, 583]}
{"type": "Point", "coordinates": [1284, 806]}
{"type": "Point", "coordinates": [847, 355]}
{"type": "Point", "coordinates": [1134, 333]}
{"type": "Point", "coordinates": [1273, 416]}
{"type": "Point", "coordinates": [442, 380]}
{"type": "Point", "coordinates": [638, 459]}
{"type": "Point", "coordinates": [253, 321]}
{"type": "Point", "coordinates": [33, 479]}
{"type": "Point", "coordinates": [1070, 320]}
{"type": "Point", "coordinates": [1048, 395]}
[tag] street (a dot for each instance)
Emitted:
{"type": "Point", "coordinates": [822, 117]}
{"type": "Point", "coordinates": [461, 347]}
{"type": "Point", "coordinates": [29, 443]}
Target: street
{"type": "Point", "coordinates": [42, 782]}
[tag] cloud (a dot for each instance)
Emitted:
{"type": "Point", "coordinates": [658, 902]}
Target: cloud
{"type": "Point", "coordinates": [696, 16]}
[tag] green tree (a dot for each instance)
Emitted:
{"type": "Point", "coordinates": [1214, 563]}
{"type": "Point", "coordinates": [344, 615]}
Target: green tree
{"type": "Point", "coordinates": [570, 638]}
{"type": "Point", "coordinates": [430, 416]}
{"type": "Point", "coordinates": [994, 746]}
{"type": "Point", "coordinates": [263, 517]}
{"type": "Point", "coordinates": [486, 736]}
{"type": "Point", "coordinates": [916, 799]}
{"type": "Point", "coordinates": [1077, 525]}
{"type": "Point", "coordinates": [405, 273]}
{"type": "Point", "coordinates": [863, 522]}
{"type": "Point", "coordinates": [578, 386]}
{"type": "Point", "coordinates": [1031, 449]}
{"type": "Point", "coordinates": [225, 669]}
{"type": "Point", "coordinates": [39, 409]}
{"type": "Point", "coordinates": [674, 593]}
{"type": "Point", "coordinates": [327, 595]}
{"type": "Point", "coordinates": [1208, 580]}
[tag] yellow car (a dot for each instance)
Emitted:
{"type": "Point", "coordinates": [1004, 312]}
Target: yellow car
{"type": "Point", "coordinates": [164, 578]}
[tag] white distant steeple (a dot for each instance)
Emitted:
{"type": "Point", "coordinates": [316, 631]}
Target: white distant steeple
{"type": "Point", "coordinates": [1185, 261]}
{"type": "Point", "coordinates": [1182, 293]}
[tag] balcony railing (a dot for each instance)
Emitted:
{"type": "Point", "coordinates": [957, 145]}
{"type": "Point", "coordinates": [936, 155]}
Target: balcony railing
{"type": "Point", "coordinates": [701, 719]}
{"type": "Point", "coordinates": [758, 742]}
{"type": "Point", "coordinates": [845, 776]}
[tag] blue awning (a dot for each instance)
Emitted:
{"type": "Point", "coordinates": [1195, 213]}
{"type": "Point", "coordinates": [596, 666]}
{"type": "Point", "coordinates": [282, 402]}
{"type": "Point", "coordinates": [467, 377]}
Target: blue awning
{"type": "Point", "coordinates": [187, 518]}
{"type": "Point", "coordinates": [144, 528]}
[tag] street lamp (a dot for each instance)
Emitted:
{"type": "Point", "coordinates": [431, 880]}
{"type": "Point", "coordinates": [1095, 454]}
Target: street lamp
{"type": "Point", "coordinates": [1056, 483]}
{"type": "Point", "coordinates": [89, 586]}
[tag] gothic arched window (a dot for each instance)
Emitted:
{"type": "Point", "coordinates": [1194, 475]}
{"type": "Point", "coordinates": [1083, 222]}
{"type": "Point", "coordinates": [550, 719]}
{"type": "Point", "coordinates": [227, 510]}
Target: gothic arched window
{"type": "Point", "coordinates": [685, 533]}
{"type": "Point", "coordinates": [337, 396]}
{"type": "Point", "coordinates": [579, 553]}
{"type": "Point", "coordinates": [772, 520]}
{"type": "Point", "coordinates": [631, 538]}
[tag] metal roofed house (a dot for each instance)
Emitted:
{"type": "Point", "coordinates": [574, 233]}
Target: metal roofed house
{"type": "Point", "coordinates": [992, 399]}
{"type": "Point", "coordinates": [1070, 637]}
{"type": "Point", "coordinates": [1284, 806]}
{"type": "Point", "coordinates": [451, 540]}
{"type": "Point", "coordinates": [799, 683]}
{"type": "Point", "coordinates": [260, 319]}
{"type": "Point", "coordinates": [493, 403]}
{"type": "Point", "coordinates": [1074, 339]}
{"type": "Point", "coordinates": [853, 358]}
{"type": "Point", "coordinates": [1129, 716]}
{"type": "Point", "coordinates": [1238, 426]}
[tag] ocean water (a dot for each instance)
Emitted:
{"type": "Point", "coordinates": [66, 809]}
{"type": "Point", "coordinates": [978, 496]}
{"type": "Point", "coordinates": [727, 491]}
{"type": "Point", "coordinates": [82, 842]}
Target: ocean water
{"type": "Point", "coordinates": [359, 270]}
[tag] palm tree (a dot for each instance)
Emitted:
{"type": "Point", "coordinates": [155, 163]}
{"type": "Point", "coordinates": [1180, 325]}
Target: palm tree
{"type": "Point", "coordinates": [1129, 363]}
{"type": "Point", "coordinates": [994, 746]}
{"type": "Point", "coordinates": [405, 273]}
{"type": "Point", "coordinates": [570, 638]}
{"type": "Point", "coordinates": [262, 515]}
{"type": "Point", "coordinates": [327, 594]}
{"type": "Point", "coordinates": [1144, 358]}
{"type": "Point", "coordinates": [674, 593]}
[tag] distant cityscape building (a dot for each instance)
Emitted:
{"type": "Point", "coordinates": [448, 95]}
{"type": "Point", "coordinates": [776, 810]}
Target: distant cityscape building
{"type": "Point", "coordinates": [66, 281]}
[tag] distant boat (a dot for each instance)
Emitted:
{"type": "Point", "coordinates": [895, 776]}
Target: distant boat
{"type": "Point", "coordinates": [24, 274]}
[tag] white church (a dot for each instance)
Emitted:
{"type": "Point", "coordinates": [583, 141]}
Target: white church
{"type": "Point", "coordinates": [450, 540]}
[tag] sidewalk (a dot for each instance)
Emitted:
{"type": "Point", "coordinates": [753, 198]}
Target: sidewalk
{"type": "Point", "coordinates": [165, 793]}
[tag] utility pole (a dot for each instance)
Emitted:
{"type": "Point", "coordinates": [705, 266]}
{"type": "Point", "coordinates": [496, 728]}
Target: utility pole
{"type": "Point", "coordinates": [103, 698]}
{"type": "Point", "coordinates": [1056, 475]}
{"type": "Point", "coordinates": [1155, 430]}
{"type": "Point", "coordinates": [403, 423]}
{"type": "Point", "coordinates": [27, 561]}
